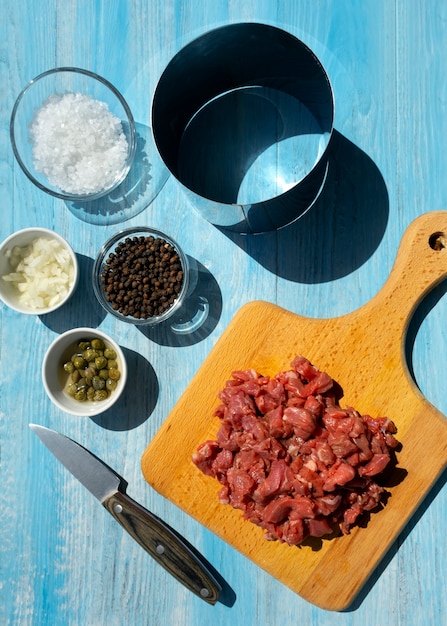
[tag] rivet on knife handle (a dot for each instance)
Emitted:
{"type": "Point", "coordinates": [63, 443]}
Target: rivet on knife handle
{"type": "Point", "coordinates": [164, 546]}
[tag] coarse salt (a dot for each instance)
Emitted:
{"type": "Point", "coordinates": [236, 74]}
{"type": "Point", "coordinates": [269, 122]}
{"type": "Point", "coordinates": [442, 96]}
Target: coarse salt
{"type": "Point", "coordinates": [78, 144]}
{"type": "Point", "coordinates": [42, 272]}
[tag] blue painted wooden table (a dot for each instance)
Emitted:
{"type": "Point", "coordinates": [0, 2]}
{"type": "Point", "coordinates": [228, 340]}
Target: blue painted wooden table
{"type": "Point", "coordinates": [64, 561]}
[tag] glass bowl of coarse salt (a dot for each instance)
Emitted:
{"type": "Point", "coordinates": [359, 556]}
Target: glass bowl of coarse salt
{"type": "Point", "coordinates": [38, 271]}
{"type": "Point", "coordinates": [73, 134]}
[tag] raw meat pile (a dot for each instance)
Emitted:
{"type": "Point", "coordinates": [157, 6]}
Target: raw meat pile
{"type": "Point", "coordinates": [287, 455]}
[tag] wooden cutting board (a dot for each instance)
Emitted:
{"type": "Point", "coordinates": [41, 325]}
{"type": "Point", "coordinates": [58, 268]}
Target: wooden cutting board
{"type": "Point", "coordinates": [364, 352]}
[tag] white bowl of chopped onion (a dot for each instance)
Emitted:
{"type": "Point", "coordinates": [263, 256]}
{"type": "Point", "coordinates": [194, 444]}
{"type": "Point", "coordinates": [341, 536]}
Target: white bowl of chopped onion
{"type": "Point", "coordinates": [73, 134]}
{"type": "Point", "coordinates": [38, 271]}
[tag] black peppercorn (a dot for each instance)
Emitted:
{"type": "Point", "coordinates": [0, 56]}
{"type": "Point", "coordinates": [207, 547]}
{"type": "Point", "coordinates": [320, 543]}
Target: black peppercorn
{"type": "Point", "coordinates": [142, 277]}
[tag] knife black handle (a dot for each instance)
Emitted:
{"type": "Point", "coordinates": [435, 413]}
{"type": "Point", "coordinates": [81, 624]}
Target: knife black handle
{"type": "Point", "coordinates": [164, 545]}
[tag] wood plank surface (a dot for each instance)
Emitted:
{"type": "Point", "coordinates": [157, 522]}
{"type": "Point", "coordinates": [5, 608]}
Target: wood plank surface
{"type": "Point", "coordinates": [64, 560]}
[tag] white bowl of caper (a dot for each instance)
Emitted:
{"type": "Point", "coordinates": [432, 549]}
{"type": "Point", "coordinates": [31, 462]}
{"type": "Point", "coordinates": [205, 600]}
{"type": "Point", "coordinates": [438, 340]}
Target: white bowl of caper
{"type": "Point", "coordinates": [84, 372]}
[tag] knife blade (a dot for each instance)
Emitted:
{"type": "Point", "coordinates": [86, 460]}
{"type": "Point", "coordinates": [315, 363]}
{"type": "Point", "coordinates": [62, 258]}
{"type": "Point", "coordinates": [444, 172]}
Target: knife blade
{"type": "Point", "coordinates": [163, 543]}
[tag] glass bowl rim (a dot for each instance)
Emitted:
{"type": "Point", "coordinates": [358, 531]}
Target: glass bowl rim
{"type": "Point", "coordinates": [106, 249]}
{"type": "Point", "coordinates": [130, 120]}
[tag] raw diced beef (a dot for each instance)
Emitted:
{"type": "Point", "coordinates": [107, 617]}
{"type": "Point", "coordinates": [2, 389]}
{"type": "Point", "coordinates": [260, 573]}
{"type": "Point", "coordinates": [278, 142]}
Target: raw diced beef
{"type": "Point", "coordinates": [291, 458]}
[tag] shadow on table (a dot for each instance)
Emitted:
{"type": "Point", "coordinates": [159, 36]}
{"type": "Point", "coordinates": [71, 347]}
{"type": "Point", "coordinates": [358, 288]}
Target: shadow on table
{"type": "Point", "coordinates": [138, 399]}
{"type": "Point", "coordinates": [83, 309]}
{"type": "Point", "coordinates": [197, 317]}
{"type": "Point", "coordinates": [341, 230]}
{"type": "Point", "coordinates": [141, 186]}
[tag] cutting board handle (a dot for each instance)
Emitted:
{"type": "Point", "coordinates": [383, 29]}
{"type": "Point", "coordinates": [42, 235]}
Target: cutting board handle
{"type": "Point", "coordinates": [421, 264]}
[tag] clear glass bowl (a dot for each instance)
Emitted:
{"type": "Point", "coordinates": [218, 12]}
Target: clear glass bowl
{"type": "Point", "coordinates": [60, 82]}
{"type": "Point", "coordinates": [110, 247]}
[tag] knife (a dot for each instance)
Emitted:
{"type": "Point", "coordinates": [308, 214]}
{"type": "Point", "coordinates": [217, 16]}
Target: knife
{"type": "Point", "coordinates": [163, 543]}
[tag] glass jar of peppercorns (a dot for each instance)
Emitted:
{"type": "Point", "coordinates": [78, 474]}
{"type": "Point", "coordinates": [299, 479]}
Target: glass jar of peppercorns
{"type": "Point", "coordinates": [141, 276]}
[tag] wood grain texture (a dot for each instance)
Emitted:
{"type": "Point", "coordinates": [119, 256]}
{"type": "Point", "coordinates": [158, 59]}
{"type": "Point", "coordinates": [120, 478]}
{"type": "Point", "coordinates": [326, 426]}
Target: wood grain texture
{"type": "Point", "coordinates": [363, 352]}
{"type": "Point", "coordinates": [164, 546]}
{"type": "Point", "coordinates": [64, 560]}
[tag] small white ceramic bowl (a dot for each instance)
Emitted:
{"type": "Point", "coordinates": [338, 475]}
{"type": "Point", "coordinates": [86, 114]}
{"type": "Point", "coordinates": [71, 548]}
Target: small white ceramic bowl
{"type": "Point", "coordinates": [55, 378]}
{"type": "Point", "coordinates": [9, 293]}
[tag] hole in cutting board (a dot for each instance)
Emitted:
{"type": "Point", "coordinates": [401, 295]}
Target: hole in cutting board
{"type": "Point", "coordinates": [437, 241]}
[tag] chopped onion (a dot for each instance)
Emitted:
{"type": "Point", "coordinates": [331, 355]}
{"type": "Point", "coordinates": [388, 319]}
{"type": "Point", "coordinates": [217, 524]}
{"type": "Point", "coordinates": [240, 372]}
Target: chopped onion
{"type": "Point", "coordinates": [43, 272]}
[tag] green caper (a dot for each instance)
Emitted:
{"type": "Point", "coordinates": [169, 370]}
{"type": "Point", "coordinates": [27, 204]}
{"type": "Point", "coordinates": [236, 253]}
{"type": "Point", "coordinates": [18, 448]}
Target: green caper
{"type": "Point", "coordinates": [104, 374]}
{"type": "Point", "coordinates": [78, 362]}
{"type": "Point", "coordinates": [83, 345]}
{"type": "Point", "coordinates": [88, 373]}
{"type": "Point", "coordinates": [100, 362]}
{"type": "Point", "coordinates": [90, 393]}
{"type": "Point", "coordinates": [69, 367]}
{"type": "Point", "coordinates": [81, 395]}
{"type": "Point", "coordinates": [114, 373]}
{"type": "Point", "coordinates": [89, 354]}
{"type": "Point", "coordinates": [98, 382]}
{"type": "Point", "coordinates": [111, 384]}
{"type": "Point", "coordinates": [97, 344]}
{"type": "Point", "coordinates": [72, 389]}
{"type": "Point", "coordinates": [112, 363]}
{"type": "Point", "coordinates": [75, 376]}
{"type": "Point", "coordinates": [109, 353]}
{"type": "Point", "coordinates": [100, 394]}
